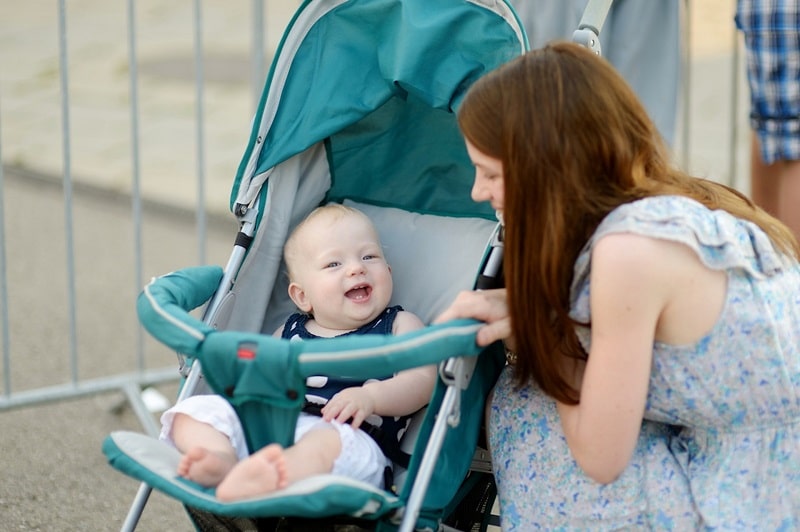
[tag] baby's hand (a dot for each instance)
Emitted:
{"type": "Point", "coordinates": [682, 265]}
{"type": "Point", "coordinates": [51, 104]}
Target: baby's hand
{"type": "Point", "coordinates": [355, 403]}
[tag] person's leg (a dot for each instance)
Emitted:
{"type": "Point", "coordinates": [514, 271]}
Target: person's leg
{"type": "Point", "coordinates": [772, 51]}
{"type": "Point", "coordinates": [208, 454]}
{"type": "Point", "coordinates": [789, 198]}
{"type": "Point", "coordinates": [529, 449]}
{"type": "Point", "coordinates": [776, 187]}
{"type": "Point", "coordinates": [764, 179]}
{"type": "Point", "coordinates": [273, 467]}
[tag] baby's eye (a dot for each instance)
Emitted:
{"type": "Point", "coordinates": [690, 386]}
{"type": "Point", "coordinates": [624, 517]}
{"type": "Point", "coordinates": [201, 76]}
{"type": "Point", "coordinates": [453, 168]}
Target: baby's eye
{"type": "Point", "coordinates": [332, 264]}
{"type": "Point", "coordinates": [370, 257]}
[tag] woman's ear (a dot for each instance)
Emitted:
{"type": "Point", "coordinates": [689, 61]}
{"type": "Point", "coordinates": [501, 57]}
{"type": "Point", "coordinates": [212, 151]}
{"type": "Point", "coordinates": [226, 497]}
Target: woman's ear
{"type": "Point", "coordinates": [298, 295]}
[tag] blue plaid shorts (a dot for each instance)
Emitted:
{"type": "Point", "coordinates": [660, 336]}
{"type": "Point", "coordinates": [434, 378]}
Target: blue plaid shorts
{"type": "Point", "coordinates": [771, 31]}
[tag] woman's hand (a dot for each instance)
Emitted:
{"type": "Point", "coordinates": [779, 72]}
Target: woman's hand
{"type": "Point", "coordinates": [489, 306]}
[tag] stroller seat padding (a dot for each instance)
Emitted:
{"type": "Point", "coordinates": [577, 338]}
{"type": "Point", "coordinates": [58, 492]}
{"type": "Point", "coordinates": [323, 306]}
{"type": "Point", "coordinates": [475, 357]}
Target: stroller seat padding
{"type": "Point", "coordinates": [432, 257]}
{"type": "Point", "coordinates": [155, 462]}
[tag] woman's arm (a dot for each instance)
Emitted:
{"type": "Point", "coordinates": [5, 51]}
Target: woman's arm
{"type": "Point", "coordinates": [631, 284]}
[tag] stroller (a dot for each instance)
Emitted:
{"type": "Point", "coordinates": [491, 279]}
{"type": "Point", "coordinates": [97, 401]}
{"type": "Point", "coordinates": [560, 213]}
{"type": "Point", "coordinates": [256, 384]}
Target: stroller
{"type": "Point", "coordinates": [357, 109]}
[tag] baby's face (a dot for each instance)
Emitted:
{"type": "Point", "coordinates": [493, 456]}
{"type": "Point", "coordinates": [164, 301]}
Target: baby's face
{"type": "Point", "coordinates": [343, 273]}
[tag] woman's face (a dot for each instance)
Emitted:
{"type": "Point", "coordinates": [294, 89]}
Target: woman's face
{"type": "Point", "coordinates": [488, 185]}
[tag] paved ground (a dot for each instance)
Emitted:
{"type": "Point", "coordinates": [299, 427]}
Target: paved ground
{"type": "Point", "coordinates": [54, 475]}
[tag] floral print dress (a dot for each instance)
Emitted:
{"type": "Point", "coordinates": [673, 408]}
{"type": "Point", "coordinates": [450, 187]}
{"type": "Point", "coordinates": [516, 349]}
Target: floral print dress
{"type": "Point", "coordinates": [720, 444]}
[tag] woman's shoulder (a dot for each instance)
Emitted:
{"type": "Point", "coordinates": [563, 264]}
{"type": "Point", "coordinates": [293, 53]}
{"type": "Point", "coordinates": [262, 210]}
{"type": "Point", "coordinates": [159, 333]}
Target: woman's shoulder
{"type": "Point", "coordinates": [676, 218]}
{"type": "Point", "coordinates": [656, 212]}
{"type": "Point", "coordinates": [720, 240]}
{"type": "Point", "coordinates": [685, 220]}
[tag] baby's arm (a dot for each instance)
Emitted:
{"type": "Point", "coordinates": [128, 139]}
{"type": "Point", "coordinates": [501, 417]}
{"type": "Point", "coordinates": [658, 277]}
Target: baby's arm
{"type": "Point", "coordinates": [406, 322]}
{"type": "Point", "coordinates": [403, 394]}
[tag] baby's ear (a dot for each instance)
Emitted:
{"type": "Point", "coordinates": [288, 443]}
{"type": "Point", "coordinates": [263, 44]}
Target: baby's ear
{"type": "Point", "coordinates": [298, 295]}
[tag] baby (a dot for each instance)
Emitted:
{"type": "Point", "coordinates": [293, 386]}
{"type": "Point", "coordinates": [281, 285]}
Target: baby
{"type": "Point", "coordinates": [342, 284]}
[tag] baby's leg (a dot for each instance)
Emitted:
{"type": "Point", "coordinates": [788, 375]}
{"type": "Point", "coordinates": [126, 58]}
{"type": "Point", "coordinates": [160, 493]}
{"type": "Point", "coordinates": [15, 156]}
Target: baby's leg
{"type": "Point", "coordinates": [208, 454]}
{"type": "Point", "coordinates": [274, 468]}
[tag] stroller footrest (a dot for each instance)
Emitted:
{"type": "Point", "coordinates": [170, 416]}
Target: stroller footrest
{"type": "Point", "coordinates": [155, 462]}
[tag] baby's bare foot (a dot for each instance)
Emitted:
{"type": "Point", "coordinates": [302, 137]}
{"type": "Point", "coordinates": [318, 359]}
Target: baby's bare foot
{"type": "Point", "coordinates": [205, 467]}
{"type": "Point", "coordinates": [258, 474]}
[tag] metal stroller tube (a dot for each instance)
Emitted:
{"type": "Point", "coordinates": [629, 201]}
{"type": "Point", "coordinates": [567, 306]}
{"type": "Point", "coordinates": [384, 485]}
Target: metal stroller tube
{"type": "Point", "coordinates": [588, 32]}
{"type": "Point", "coordinates": [491, 272]}
{"type": "Point", "coordinates": [193, 373]}
{"type": "Point", "coordinates": [456, 373]}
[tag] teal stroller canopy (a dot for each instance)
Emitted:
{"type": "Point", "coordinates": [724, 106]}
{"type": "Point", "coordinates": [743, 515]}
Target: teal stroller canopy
{"type": "Point", "coordinates": [381, 77]}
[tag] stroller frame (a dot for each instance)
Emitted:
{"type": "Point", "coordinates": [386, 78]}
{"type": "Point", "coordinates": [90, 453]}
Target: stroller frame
{"type": "Point", "coordinates": [249, 198]}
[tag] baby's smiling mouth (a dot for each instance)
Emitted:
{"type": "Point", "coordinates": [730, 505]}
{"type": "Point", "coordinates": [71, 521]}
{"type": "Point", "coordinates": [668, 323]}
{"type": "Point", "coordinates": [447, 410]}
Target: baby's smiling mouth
{"type": "Point", "coordinates": [359, 292]}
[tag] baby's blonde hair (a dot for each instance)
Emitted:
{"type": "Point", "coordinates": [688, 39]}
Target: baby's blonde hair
{"type": "Point", "coordinates": [334, 211]}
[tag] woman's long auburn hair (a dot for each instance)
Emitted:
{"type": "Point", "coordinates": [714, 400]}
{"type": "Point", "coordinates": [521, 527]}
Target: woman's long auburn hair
{"type": "Point", "coordinates": [575, 143]}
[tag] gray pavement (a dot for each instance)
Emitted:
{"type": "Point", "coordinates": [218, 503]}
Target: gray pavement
{"type": "Point", "coordinates": [54, 475]}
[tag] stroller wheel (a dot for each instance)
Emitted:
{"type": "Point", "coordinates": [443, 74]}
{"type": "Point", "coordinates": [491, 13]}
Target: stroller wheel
{"type": "Point", "coordinates": [208, 522]}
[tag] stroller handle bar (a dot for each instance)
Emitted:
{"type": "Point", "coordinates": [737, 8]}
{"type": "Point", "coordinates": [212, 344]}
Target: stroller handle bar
{"type": "Point", "coordinates": [164, 310]}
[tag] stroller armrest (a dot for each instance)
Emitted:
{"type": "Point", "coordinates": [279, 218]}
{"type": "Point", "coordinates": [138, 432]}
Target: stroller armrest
{"type": "Point", "coordinates": [255, 366]}
{"type": "Point", "coordinates": [263, 377]}
{"type": "Point", "coordinates": [164, 305]}
{"type": "Point", "coordinates": [376, 355]}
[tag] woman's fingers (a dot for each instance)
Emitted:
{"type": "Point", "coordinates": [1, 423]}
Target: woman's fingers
{"type": "Point", "coordinates": [498, 330]}
{"type": "Point", "coordinates": [484, 305]}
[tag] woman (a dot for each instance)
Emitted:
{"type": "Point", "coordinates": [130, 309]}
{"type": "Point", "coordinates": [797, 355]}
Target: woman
{"type": "Point", "coordinates": [652, 318]}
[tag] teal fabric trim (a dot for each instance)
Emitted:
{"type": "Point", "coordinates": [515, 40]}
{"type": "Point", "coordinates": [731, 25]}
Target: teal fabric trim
{"type": "Point", "coordinates": [260, 377]}
{"type": "Point", "coordinates": [164, 304]}
{"type": "Point", "coordinates": [454, 460]}
{"type": "Point", "coordinates": [253, 141]}
{"type": "Point", "coordinates": [263, 377]}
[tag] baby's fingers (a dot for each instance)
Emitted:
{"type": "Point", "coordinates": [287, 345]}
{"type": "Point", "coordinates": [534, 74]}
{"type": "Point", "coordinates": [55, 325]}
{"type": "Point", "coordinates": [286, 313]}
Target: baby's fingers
{"type": "Point", "coordinates": [330, 410]}
{"type": "Point", "coordinates": [358, 419]}
{"type": "Point", "coordinates": [344, 414]}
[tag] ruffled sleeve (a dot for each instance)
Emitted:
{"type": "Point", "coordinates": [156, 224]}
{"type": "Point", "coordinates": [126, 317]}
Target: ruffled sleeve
{"type": "Point", "coordinates": [721, 241]}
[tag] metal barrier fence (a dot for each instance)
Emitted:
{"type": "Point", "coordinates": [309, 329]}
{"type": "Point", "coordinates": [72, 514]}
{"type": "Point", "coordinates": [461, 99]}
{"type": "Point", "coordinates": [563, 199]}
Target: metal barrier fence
{"type": "Point", "coordinates": [87, 369]}
{"type": "Point", "coordinates": [78, 353]}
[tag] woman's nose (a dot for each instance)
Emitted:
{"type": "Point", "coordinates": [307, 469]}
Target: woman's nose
{"type": "Point", "coordinates": [478, 192]}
